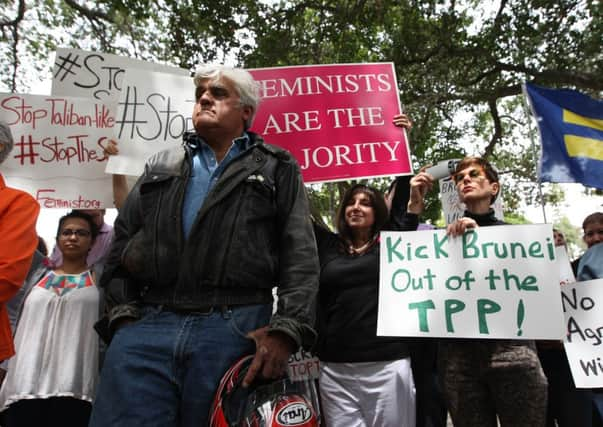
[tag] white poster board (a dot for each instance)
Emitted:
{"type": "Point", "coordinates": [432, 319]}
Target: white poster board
{"type": "Point", "coordinates": [97, 75]}
{"type": "Point", "coordinates": [582, 302]}
{"type": "Point", "coordinates": [303, 366]}
{"type": "Point", "coordinates": [154, 111]}
{"type": "Point", "coordinates": [58, 153]}
{"type": "Point", "coordinates": [493, 282]}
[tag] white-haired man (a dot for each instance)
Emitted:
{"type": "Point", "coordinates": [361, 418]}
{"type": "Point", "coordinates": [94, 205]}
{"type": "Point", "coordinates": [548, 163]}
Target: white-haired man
{"type": "Point", "coordinates": [205, 234]}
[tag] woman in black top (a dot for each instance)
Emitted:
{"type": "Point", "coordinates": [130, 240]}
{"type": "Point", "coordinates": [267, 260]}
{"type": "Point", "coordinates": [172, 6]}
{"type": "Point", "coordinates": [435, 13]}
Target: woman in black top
{"type": "Point", "coordinates": [365, 380]}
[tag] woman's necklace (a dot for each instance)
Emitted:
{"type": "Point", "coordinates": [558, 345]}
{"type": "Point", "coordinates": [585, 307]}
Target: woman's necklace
{"type": "Point", "coordinates": [360, 249]}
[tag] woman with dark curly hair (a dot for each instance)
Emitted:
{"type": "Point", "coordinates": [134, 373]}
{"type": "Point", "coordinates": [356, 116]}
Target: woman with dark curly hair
{"type": "Point", "coordinates": [365, 380]}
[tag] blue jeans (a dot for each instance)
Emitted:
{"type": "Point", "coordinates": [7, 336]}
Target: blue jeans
{"type": "Point", "coordinates": [164, 369]}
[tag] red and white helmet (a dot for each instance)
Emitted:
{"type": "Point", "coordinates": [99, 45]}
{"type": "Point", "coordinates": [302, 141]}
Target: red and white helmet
{"type": "Point", "coordinates": [274, 403]}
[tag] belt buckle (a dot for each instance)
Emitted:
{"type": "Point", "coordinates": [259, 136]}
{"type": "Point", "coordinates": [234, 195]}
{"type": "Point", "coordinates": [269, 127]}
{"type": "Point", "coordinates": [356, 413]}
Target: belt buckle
{"type": "Point", "coordinates": [209, 311]}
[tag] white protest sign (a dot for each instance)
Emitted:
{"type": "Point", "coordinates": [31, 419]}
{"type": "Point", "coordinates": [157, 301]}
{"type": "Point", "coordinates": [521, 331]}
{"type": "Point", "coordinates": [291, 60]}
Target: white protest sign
{"type": "Point", "coordinates": [493, 282]}
{"type": "Point", "coordinates": [453, 208]}
{"type": "Point", "coordinates": [582, 302]}
{"type": "Point", "coordinates": [566, 274]}
{"type": "Point", "coordinates": [303, 366]}
{"type": "Point", "coordinates": [97, 75]}
{"type": "Point", "coordinates": [101, 76]}
{"type": "Point", "coordinates": [154, 111]}
{"type": "Point", "coordinates": [58, 153]}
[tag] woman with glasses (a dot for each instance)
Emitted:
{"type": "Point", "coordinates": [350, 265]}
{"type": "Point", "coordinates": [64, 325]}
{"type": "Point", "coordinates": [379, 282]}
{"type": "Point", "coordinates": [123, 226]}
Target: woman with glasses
{"type": "Point", "coordinates": [483, 379]}
{"type": "Point", "coordinates": [51, 379]}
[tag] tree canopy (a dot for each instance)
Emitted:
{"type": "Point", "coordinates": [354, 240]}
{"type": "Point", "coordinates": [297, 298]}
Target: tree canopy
{"type": "Point", "coordinates": [460, 64]}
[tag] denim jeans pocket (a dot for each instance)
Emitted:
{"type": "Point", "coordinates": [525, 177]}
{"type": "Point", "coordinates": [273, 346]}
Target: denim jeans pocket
{"type": "Point", "coordinates": [248, 318]}
{"type": "Point", "coordinates": [147, 314]}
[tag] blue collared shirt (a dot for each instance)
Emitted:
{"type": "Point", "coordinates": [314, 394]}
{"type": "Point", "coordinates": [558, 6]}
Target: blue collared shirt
{"type": "Point", "coordinates": [204, 174]}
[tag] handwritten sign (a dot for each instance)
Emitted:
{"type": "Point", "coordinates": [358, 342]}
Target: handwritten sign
{"type": "Point", "coordinates": [303, 366]}
{"type": "Point", "coordinates": [154, 111]}
{"type": "Point", "coordinates": [582, 302]}
{"type": "Point", "coordinates": [494, 282]}
{"type": "Point", "coordinates": [335, 120]}
{"type": "Point", "coordinates": [97, 75]}
{"type": "Point", "coordinates": [453, 208]}
{"type": "Point", "coordinates": [58, 151]}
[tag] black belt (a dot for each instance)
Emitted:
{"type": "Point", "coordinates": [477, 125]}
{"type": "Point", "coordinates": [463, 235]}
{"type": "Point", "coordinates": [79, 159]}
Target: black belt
{"type": "Point", "coordinates": [203, 310]}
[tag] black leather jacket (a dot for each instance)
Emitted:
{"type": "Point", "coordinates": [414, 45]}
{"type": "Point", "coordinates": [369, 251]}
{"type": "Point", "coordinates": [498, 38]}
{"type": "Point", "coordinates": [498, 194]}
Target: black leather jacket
{"type": "Point", "coordinates": [253, 232]}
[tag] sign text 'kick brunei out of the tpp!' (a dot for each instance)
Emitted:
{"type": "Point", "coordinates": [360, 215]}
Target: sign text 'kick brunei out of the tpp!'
{"type": "Point", "coordinates": [491, 282]}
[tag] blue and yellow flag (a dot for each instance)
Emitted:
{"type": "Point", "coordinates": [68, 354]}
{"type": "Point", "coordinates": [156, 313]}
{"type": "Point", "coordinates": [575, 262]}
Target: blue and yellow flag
{"type": "Point", "coordinates": [571, 132]}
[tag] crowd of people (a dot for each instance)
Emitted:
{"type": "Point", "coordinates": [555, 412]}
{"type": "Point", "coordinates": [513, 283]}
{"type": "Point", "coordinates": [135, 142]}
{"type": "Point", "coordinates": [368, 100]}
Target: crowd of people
{"type": "Point", "coordinates": [181, 287]}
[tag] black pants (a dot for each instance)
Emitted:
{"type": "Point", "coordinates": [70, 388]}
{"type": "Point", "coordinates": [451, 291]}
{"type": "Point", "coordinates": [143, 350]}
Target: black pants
{"type": "Point", "coordinates": [567, 405]}
{"type": "Point", "coordinates": [431, 408]}
{"type": "Point", "coordinates": [51, 412]}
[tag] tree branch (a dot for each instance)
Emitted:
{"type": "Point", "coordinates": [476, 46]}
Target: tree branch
{"type": "Point", "coordinates": [18, 18]}
{"type": "Point", "coordinates": [497, 129]}
{"type": "Point", "coordinates": [92, 15]}
{"type": "Point", "coordinates": [498, 18]}
{"type": "Point", "coordinates": [13, 26]}
{"type": "Point", "coordinates": [574, 77]}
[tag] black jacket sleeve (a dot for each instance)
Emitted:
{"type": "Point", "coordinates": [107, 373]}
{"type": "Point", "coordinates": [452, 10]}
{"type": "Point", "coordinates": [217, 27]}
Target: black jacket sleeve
{"type": "Point", "coordinates": [120, 290]}
{"type": "Point", "coordinates": [399, 219]}
{"type": "Point", "coordinates": [298, 258]}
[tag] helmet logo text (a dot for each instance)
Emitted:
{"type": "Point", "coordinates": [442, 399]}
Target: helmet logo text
{"type": "Point", "coordinates": [294, 414]}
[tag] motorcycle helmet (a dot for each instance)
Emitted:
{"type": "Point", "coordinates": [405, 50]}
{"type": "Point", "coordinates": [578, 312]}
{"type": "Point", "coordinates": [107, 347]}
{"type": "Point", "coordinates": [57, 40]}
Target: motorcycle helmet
{"type": "Point", "coordinates": [265, 403]}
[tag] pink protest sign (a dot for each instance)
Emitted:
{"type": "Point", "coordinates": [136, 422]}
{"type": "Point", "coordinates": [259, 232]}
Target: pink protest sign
{"type": "Point", "coordinates": [335, 119]}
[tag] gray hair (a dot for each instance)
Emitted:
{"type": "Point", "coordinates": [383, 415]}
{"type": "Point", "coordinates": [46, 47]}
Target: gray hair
{"type": "Point", "coordinates": [247, 88]}
{"type": "Point", "coordinates": [6, 139]}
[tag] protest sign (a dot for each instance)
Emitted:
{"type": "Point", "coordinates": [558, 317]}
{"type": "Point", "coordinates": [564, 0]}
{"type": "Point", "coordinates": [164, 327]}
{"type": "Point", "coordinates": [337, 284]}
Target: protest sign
{"type": "Point", "coordinates": [154, 111]}
{"type": "Point", "coordinates": [58, 153]}
{"type": "Point", "coordinates": [101, 76]}
{"type": "Point", "coordinates": [303, 366]}
{"type": "Point", "coordinates": [335, 120]}
{"type": "Point", "coordinates": [453, 208]}
{"type": "Point", "coordinates": [491, 282]}
{"type": "Point", "coordinates": [582, 302]}
{"type": "Point", "coordinates": [97, 75]}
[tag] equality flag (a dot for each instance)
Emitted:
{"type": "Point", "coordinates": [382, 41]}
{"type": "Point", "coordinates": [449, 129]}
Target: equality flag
{"type": "Point", "coordinates": [571, 133]}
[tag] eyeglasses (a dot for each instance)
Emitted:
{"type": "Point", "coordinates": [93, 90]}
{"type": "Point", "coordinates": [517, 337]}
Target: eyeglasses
{"type": "Point", "coordinates": [80, 232]}
{"type": "Point", "coordinates": [473, 174]}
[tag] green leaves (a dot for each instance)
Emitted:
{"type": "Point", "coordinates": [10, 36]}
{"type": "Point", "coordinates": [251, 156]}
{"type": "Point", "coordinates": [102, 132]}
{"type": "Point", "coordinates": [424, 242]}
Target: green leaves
{"type": "Point", "coordinates": [459, 64]}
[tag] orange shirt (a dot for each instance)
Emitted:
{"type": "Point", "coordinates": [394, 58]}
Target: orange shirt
{"type": "Point", "coordinates": [18, 241]}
